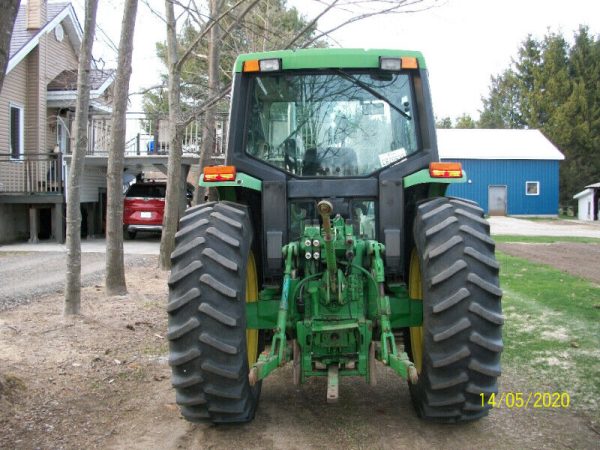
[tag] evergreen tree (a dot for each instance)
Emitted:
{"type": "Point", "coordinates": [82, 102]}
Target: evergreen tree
{"type": "Point", "coordinates": [502, 109]}
{"type": "Point", "coordinates": [465, 121]}
{"type": "Point", "coordinates": [526, 74]}
{"type": "Point", "coordinates": [444, 122]}
{"type": "Point", "coordinates": [556, 89]}
{"type": "Point", "coordinates": [584, 70]}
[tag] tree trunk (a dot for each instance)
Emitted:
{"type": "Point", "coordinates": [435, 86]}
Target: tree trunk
{"type": "Point", "coordinates": [73, 281]}
{"type": "Point", "coordinates": [10, 8]}
{"type": "Point", "coordinates": [174, 184]}
{"type": "Point", "coordinates": [115, 266]}
{"type": "Point", "coordinates": [208, 124]}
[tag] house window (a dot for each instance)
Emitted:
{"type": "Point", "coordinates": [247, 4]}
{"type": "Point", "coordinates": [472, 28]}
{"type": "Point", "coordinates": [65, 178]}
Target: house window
{"type": "Point", "coordinates": [16, 132]}
{"type": "Point", "coordinates": [532, 188]}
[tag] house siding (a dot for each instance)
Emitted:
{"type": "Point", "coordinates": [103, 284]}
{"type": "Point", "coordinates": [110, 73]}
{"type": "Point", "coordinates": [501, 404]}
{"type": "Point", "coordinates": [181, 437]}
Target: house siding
{"type": "Point", "coordinates": [35, 109]}
{"type": "Point", "coordinates": [59, 56]}
{"type": "Point", "coordinates": [513, 174]}
{"type": "Point", "coordinates": [92, 180]}
{"type": "Point", "coordinates": [13, 92]}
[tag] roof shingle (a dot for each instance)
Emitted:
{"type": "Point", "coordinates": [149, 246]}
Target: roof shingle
{"type": "Point", "coordinates": [67, 79]}
{"type": "Point", "coordinates": [21, 35]}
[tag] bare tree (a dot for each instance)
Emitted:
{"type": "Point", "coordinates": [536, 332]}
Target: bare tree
{"type": "Point", "coordinates": [174, 191]}
{"type": "Point", "coordinates": [348, 12]}
{"type": "Point", "coordinates": [10, 8]}
{"type": "Point", "coordinates": [175, 185]}
{"type": "Point", "coordinates": [115, 266]}
{"type": "Point", "coordinates": [73, 281]}
{"type": "Point", "coordinates": [354, 10]}
{"type": "Point", "coordinates": [208, 124]}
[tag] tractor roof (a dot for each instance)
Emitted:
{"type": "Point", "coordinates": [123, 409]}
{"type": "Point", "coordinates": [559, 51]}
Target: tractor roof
{"type": "Point", "coordinates": [329, 58]}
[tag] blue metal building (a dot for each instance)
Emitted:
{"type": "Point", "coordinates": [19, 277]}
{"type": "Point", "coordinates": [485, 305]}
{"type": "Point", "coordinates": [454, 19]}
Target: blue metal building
{"type": "Point", "coordinates": [510, 172]}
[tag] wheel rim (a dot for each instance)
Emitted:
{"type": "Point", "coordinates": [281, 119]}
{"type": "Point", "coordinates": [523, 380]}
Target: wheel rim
{"type": "Point", "coordinates": [251, 297]}
{"type": "Point", "coordinates": [415, 291]}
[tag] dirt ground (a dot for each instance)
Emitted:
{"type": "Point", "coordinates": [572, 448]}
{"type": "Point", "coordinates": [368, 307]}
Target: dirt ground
{"type": "Point", "coordinates": [578, 259]}
{"type": "Point", "coordinates": [101, 381]}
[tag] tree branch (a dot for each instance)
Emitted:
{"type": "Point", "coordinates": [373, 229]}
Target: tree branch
{"type": "Point", "coordinates": [188, 51]}
{"type": "Point", "coordinates": [310, 24]}
{"type": "Point", "coordinates": [153, 11]}
{"type": "Point", "coordinates": [239, 18]}
{"type": "Point", "coordinates": [206, 105]}
{"type": "Point", "coordinates": [148, 89]}
{"type": "Point", "coordinates": [392, 9]}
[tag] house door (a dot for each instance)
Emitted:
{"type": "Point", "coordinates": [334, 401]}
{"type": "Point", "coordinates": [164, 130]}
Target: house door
{"type": "Point", "coordinates": [497, 200]}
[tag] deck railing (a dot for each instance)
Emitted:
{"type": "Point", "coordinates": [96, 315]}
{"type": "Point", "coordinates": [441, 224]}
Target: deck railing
{"type": "Point", "coordinates": [31, 173]}
{"type": "Point", "coordinates": [42, 173]}
{"type": "Point", "coordinates": [150, 136]}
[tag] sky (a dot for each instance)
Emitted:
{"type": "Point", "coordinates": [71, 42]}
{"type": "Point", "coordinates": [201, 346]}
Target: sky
{"type": "Point", "coordinates": [465, 42]}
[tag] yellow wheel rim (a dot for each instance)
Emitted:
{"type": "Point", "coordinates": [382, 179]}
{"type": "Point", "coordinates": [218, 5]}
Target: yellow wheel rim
{"type": "Point", "coordinates": [415, 291]}
{"type": "Point", "coordinates": [251, 297]}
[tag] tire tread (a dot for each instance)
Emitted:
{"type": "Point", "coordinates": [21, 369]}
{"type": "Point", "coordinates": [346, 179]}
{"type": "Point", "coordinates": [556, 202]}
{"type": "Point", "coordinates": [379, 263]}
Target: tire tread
{"type": "Point", "coordinates": [462, 314]}
{"type": "Point", "coordinates": [206, 308]}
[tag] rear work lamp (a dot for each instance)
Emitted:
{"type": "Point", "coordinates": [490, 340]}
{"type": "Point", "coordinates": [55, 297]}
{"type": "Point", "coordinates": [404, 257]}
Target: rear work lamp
{"type": "Point", "coordinates": [219, 173]}
{"type": "Point", "coordinates": [445, 170]}
{"type": "Point", "coordinates": [397, 64]}
{"type": "Point", "coordinates": [270, 65]}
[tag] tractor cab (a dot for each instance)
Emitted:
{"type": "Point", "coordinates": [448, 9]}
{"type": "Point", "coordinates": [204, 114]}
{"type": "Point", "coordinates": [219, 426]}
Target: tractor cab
{"type": "Point", "coordinates": [338, 124]}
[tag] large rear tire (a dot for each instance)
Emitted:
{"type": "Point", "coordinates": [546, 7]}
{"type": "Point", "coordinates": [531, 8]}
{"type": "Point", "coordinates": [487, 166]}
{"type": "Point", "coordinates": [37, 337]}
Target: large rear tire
{"type": "Point", "coordinates": [457, 350]}
{"type": "Point", "coordinates": [213, 276]}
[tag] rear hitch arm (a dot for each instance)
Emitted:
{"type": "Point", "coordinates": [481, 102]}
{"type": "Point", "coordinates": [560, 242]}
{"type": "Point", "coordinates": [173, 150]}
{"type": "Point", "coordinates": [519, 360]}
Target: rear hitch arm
{"type": "Point", "coordinates": [278, 355]}
{"type": "Point", "coordinates": [389, 355]}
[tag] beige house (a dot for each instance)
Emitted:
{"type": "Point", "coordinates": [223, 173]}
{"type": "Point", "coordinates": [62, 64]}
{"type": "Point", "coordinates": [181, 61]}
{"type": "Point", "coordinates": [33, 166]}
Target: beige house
{"type": "Point", "coordinates": [36, 114]}
{"type": "Point", "coordinates": [37, 109]}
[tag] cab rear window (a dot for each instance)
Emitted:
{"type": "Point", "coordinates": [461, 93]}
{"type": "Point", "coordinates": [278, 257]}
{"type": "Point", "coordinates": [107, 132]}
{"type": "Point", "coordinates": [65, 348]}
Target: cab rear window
{"type": "Point", "coordinates": [332, 124]}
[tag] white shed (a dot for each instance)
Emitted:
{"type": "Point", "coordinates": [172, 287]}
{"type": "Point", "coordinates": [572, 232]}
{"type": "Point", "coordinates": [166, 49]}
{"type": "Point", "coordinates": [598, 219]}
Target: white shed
{"type": "Point", "coordinates": [588, 202]}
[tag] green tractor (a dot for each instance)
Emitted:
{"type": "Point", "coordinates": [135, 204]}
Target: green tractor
{"type": "Point", "coordinates": [333, 246]}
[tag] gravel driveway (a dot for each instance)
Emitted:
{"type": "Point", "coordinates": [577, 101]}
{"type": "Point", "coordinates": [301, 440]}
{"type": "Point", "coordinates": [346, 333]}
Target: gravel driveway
{"type": "Point", "coordinates": [522, 227]}
{"type": "Point", "coordinates": [29, 271]}
{"type": "Point", "coordinates": [25, 277]}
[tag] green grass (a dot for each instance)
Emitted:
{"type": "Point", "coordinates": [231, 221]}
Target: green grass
{"type": "Point", "coordinates": [552, 329]}
{"type": "Point", "coordinates": [545, 239]}
{"type": "Point", "coordinates": [566, 217]}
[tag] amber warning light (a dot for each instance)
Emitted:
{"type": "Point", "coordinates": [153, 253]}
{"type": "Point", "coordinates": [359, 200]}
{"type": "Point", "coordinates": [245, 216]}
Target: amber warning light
{"type": "Point", "coordinates": [219, 173]}
{"type": "Point", "coordinates": [445, 170]}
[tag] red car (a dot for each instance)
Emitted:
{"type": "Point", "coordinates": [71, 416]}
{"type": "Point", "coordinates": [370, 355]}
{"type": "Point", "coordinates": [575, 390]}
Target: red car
{"type": "Point", "coordinates": [144, 207]}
